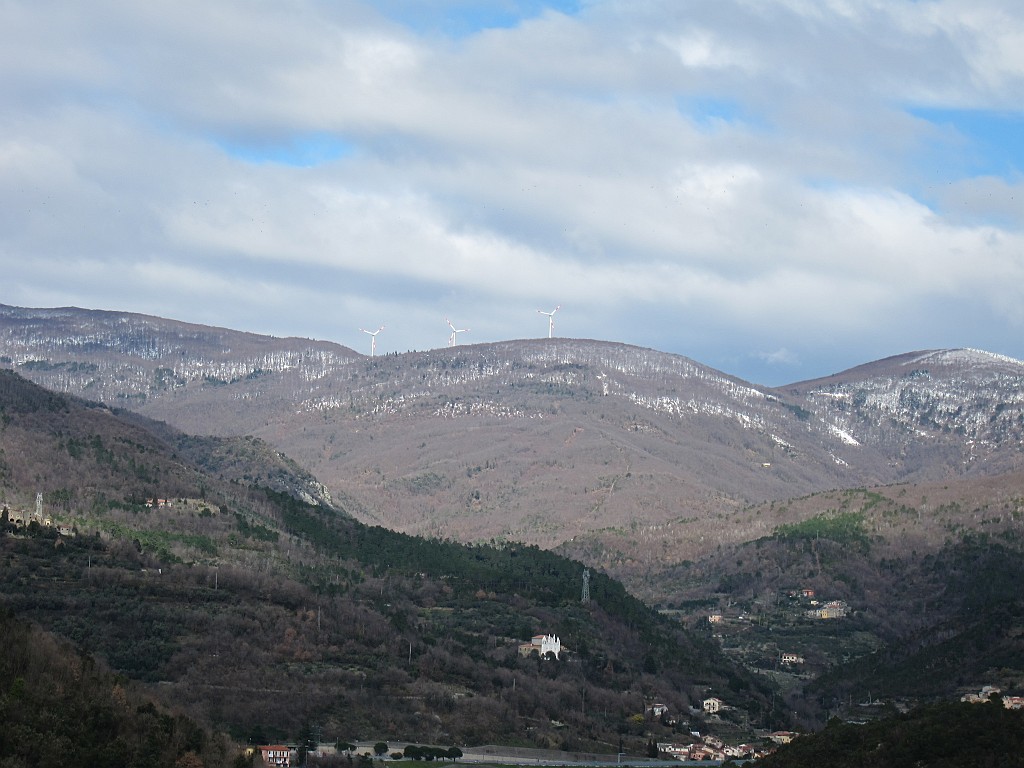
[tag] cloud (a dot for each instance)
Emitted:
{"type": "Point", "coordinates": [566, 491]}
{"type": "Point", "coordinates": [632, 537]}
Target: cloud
{"type": "Point", "coordinates": [780, 356]}
{"type": "Point", "coordinates": [713, 178]}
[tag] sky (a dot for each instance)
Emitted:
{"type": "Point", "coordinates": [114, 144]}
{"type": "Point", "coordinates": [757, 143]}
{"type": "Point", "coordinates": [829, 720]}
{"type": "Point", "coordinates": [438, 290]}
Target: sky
{"type": "Point", "coordinates": [780, 189]}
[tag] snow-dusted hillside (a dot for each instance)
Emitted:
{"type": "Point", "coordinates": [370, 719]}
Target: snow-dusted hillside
{"type": "Point", "coordinates": [934, 407]}
{"type": "Point", "coordinates": [114, 357]}
{"type": "Point", "coordinates": [540, 440]}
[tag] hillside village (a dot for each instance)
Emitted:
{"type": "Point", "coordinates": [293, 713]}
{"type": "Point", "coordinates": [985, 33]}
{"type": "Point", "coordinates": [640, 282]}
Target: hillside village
{"type": "Point", "coordinates": [23, 518]}
{"type": "Point", "coordinates": [697, 747]}
{"type": "Point", "coordinates": [776, 637]}
{"type": "Point", "coordinates": [711, 732]}
{"type": "Point", "coordinates": [749, 632]}
{"type": "Point", "coordinates": [704, 744]}
{"type": "Point", "coordinates": [64, 524]}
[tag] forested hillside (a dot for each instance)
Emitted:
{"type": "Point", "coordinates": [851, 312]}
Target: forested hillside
{"type": "Point", "coordinates": [262, 613]}
{"type": "Point", "coordinates": [952, 734]}
{"type": "Point", "coordinates": [902, 593]}
{"type": "Point", "coordinates": [59, 707]}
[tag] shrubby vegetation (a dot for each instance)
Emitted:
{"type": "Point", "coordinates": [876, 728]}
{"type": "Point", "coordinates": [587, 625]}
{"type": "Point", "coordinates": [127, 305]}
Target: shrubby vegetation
{"type": "Point", "coordinates": [60, 708]}
{"type": "Point", "coordinates": [952, 734]}
{"type": "Point", "coordinates": [262, 650]}
{"type": "Point", "coordinates": [959, 625]}
{"type": "Point", "coordinates": [844, 528]}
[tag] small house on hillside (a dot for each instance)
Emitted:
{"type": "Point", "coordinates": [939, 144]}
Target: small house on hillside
{"type": "Point", "coordinates": [657, 710]}
{"type": "Point", "coordinates": [276, 754]}
{"type": "Point", "coordinates": [713, 706]}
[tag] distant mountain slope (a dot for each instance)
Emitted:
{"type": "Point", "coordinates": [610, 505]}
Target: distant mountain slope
{"type": "Point", "coordinates": [542, 441]}
{"type": "Point", "coordinates": [932, 412]}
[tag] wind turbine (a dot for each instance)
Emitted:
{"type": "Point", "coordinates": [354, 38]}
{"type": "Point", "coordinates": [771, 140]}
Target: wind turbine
{"type": "Point", "coordinates": [373, 339]}
{"type": "Point", "coordinates": [454, 338]}
{"type": "Point", "coordinates": [551, 319]}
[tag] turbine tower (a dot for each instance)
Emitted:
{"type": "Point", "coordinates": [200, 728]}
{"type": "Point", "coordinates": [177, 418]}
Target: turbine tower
{"type": "Point", "coordinates": [551, 319]}
{"type": "Point", "coordinates": [454, 338]}
{"type": "Point", "coordinates": [373, 339]}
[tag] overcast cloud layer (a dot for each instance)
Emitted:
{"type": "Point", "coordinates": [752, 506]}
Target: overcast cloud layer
{"type": "Point", "coordinates": [780, 189]}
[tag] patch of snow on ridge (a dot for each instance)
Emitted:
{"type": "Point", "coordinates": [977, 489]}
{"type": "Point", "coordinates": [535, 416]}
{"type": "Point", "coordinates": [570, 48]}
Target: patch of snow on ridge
{"type": "Point", "coordinates": [967, 356]}
{"type": "Point", "coordinates": [833, 395]}
{"type": "Point", "coordinates": [843, 435]}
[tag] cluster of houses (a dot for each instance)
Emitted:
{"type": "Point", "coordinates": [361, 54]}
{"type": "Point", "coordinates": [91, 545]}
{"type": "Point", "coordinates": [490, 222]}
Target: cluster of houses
{"type": "Point", "coordinates": [711, 706]}
{"type": "Point", "coordinates": [712, 748]}
{"type": "Point", "coordinates": [19, 518]}
{"type": "Point", "coordinates": [833, 609]}
{"type": "Point", "coordinates": [284, 756]}
{"type": "Point", "coordinates": [986, 694]}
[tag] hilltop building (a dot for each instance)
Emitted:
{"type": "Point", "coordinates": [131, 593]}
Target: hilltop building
{"type": "Point", "coordinates": [20, 517]}
{"type": "Point", "coordinates": [542, 645]}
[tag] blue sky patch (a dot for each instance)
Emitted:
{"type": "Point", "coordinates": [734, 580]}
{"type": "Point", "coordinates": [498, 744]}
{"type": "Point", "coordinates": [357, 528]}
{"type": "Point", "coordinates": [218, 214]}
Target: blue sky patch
{"type": "Point", "coordinates": [464, 18]}
{"type": "Point", "coordinates": [709, 114]}
{"type": "Point", "coordinates": [984, 142]}
{"type": "Point", "coordinates": [303, 151]}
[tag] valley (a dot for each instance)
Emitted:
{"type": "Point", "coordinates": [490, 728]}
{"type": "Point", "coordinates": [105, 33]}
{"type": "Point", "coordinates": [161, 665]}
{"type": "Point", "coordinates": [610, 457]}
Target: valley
{"type": "Point", "coordinates": [363, 544]}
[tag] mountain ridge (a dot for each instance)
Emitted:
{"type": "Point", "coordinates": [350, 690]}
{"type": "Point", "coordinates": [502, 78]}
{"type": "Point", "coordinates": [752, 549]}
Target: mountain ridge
{"type": "Point", "coordinates": [541, 440]}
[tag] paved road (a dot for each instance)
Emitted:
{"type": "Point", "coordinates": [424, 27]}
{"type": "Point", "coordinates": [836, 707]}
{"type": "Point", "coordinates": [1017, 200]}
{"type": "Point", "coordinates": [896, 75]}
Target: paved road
{"type": "Point", "coordinates": [526, 756]}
